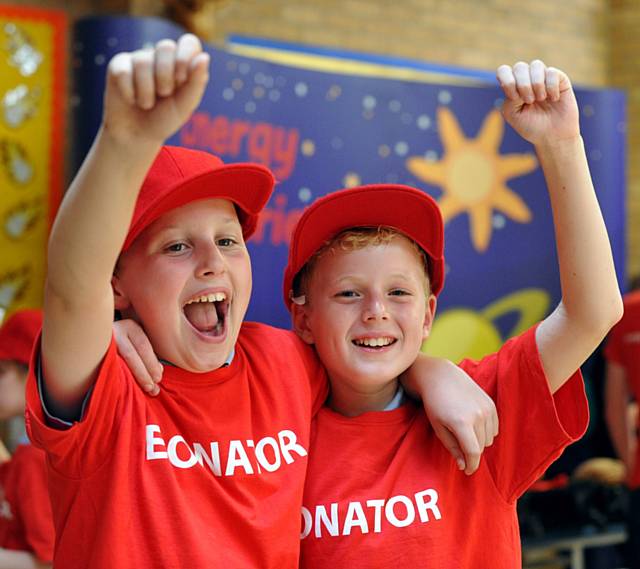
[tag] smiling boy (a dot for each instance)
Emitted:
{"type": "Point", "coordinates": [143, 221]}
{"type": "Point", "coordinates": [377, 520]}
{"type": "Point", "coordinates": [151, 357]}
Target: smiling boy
{"type": "Point", "coordinates": [364, 271]}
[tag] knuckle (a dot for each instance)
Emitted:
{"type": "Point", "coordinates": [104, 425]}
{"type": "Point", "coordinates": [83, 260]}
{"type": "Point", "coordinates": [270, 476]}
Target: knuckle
{"type": "Point", "coordinates": [190, 39]}
{"type": "Point", "coordinates": [125, 350]}
{"type": "Point", "coordinates": [136, 336]}
{"type": "Point", "coordinates": [166, 44]}
{"type": "Point", "coordinates": [474, 456]}
{"type": "Point", "coordinates": [142, 57]}
{"type": "Point", "coordinates": [459, 422]}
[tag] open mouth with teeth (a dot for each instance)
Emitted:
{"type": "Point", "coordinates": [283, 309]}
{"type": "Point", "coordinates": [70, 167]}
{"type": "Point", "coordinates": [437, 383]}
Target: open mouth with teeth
{"type": "Point", "coordinates": [208, 313]}
{"type": "Point", "coordinates": [374, 343]}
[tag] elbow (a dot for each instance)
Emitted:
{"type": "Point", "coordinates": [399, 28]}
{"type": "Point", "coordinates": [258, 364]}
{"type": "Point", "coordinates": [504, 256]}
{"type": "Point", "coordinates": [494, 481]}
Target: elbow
{"type": "Point", "coordinates": [613, 312]}
{"type": "Point", "coordinates": [607, 315]}
{"type": "Point", "coordinates": [596, 322]}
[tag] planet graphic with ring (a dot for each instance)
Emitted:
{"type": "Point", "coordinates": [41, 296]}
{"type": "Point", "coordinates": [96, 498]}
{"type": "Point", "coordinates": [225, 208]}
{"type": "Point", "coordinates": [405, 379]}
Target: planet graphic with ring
{"type": "Point", "coordinates": [460, 333]}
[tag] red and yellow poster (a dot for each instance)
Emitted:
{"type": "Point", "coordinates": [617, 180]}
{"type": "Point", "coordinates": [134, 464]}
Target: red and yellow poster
{"type": "Point", "coordinates": [32, 95]}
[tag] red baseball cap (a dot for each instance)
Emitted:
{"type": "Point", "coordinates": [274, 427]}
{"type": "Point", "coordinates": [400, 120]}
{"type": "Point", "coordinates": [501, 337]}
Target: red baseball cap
{"type": "Point", "coordinates": [179, 176]}
{"type": "Point", "coordinates": [403, 208]}
{"type": "Point", "coordinates": [18, 334]}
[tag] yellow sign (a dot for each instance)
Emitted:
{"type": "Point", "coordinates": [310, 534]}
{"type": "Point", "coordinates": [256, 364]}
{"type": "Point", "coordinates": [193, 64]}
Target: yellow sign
{"type": "Point", "coordinates": [32, 94]}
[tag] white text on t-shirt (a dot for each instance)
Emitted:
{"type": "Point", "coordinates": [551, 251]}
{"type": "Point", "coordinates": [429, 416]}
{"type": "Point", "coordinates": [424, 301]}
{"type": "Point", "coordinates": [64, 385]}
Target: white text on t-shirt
{"type": "Point", "coordinates": [399, 511]}
{"type": "Point", "coordinates": [252, 457]}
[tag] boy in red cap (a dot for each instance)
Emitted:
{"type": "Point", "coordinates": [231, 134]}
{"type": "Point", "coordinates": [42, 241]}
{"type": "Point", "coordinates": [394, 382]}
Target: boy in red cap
{"type": "Point", "coordinates": [365, 268]}
{"type": "Point", "coordinates": [26, 524]}
{"type": "Point", "coordinates": [210, 473]}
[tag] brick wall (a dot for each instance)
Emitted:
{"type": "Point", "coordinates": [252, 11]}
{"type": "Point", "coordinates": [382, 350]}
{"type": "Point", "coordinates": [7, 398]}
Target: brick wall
{"type": "Point", "coordinates": [625, 73]}
{"type": "Point", "coordinates": [596, 41]}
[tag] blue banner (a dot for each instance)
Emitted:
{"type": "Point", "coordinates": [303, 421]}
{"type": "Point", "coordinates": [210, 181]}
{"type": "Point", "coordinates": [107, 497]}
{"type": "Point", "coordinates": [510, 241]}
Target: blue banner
{"type": "Point", "coordinates": [322, 130]}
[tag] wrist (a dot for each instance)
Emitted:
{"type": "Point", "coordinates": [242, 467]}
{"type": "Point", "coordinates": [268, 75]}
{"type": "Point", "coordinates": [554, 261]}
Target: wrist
{"type": "Point", "coordinates": [128, 147]}
{"type": "Point", "coordinates": [560, 147]}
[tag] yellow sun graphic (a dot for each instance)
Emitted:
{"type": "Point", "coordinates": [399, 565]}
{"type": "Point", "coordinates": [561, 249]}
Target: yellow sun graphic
{"type": "Point", "coordinates": [472, 175]}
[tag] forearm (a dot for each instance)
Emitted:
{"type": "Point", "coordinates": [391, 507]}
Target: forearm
{"type": "Point", "coordinates": [591, 301]}
{"type": "Point", "coordinates": [590, 294]}
{"type": "Point", "coordinates": [10, 559]}
{"type": "Point", "coordinates": [416, 379]}
{"type": "Point", "coordinates": [94, 218]}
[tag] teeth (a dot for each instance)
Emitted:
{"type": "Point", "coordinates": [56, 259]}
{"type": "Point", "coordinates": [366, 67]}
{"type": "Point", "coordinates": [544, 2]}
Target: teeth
{"type": "Point", "coordinates": [374, 342]}
{"type": "Point", "coordinates": [213, 297]}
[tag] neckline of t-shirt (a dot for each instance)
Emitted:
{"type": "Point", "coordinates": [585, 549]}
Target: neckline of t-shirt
{"type": "Point", "coordinates": [398, 415]}
{"type": "Point", "coordinates": [174, 374]}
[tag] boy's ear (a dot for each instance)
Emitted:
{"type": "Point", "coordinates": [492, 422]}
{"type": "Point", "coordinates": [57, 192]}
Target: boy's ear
{"type": "Point", "coordinates": [299, 315]}
{"type": "Point", "coordinates": [120, 299]}
{"type": "Point", "coordinates": [429, 315]}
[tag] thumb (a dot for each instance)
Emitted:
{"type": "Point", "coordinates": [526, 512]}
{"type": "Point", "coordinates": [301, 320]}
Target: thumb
{"type": "Point", "coordinates": [190, 93]}
{"type": "Point", "coordinates": [451, 444]}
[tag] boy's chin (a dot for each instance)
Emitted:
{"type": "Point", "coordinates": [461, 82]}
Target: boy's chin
{"type": "Point", "coordinates": [204, 365]}
{"type": "Point", "coordinates": [199, 359]}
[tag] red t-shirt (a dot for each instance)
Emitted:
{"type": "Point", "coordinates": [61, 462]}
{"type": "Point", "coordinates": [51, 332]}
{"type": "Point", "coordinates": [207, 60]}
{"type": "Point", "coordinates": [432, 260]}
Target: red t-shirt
{"type": "Point", "coordinates": [26, 522]}
{"type": "Point", "coordinates": [382, 491]}
{"type": "Point", "coordinates": [623, 348]}
{"type": "Point", "coordinates": [208, 474]}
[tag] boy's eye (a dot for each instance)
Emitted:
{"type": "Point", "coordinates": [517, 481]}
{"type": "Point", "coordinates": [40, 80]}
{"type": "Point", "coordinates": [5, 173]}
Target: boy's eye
{"type": "Point", "coordinates": [347, 294]}
{"type": "Point", "coordinates": [226, 242]}
{"type": "Point", "coordinates": [399, 292]}
{"type": "Point", "coordinates": [176, 247]}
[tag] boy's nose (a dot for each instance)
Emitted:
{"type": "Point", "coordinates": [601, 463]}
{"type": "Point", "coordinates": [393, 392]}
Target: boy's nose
{"type": "Point", "coordinates": [211, 262]}
{"type": "Point", "coordinates": [375, 309]}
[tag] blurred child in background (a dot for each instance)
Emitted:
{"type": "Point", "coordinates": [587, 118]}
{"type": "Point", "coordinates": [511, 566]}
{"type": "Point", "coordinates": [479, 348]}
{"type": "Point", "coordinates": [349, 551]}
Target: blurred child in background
{"type": "Point", "coordinates": [26, 525]}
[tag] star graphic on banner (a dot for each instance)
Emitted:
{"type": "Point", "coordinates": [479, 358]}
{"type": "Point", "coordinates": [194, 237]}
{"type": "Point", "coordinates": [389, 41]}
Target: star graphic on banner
{"type": "Point", "coordinates": [472, 174]}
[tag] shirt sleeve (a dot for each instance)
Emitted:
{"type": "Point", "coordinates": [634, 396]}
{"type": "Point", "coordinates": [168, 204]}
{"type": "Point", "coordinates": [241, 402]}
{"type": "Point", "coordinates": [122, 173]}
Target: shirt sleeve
{"type": "Point", "coordinates": [34, 507]}
{"type": "Point", "coordinates": [80, 448]}
{"type": "Point", "coordinates": [613, 346]}
{"type": "Point", "coordinates": [535, 425]}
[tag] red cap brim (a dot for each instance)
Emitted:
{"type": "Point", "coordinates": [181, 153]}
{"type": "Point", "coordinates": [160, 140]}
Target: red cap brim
{"type": "Point", "coordinates": [248, 186]}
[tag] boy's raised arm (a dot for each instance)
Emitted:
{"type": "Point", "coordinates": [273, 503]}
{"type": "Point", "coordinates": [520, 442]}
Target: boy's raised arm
{"type": "Point", "coordinates": [149, 95]}
{"type": "Point", "coordinates": [540, 105]}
